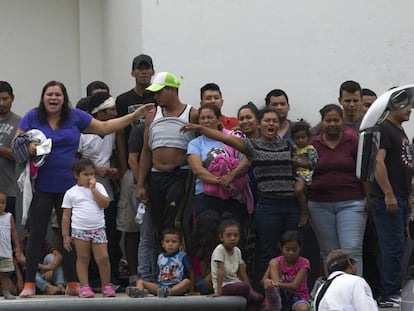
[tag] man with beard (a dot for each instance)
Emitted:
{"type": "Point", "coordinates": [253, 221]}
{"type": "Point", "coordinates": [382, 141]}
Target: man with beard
{"type": "Point", "coordinates": [9, 122]}
{"type": "Point", "coordinates": [142, 71]}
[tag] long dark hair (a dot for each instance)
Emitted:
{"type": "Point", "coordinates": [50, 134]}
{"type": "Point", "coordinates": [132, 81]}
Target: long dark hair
{"type": "Point", "coordinates": [204, 237]}
{"type": "Point", "coordinates": [66, 107]}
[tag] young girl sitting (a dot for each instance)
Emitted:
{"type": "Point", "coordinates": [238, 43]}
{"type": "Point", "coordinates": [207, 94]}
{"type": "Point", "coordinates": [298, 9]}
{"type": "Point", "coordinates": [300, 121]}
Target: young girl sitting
{"type": "Point", "coordinates": [285, 281]}
{"type": "Point", "coordinates": [228, 269]}
{"type": "Point", "coordinates": [83, 211]}
{"type": "Point", "coordinates": [304, 159]}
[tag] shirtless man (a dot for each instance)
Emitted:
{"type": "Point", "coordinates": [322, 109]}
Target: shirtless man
{"type": "Point", "coordinates": [163, 168]}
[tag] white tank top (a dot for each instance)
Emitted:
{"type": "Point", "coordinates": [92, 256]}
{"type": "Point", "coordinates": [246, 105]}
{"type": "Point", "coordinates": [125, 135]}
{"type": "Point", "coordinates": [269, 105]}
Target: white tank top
{"type": "Point", "coordinates": [5, 236]}
{"type": "Point", "coordinates": [165, 131]}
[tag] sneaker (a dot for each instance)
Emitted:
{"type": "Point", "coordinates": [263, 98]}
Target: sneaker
{"type": "Point", "coordinates": [86, 292]}
{"type": "Point", "coordinates": [28, 291]}
{"type": "Point", "coordinates": [163, 292]}
{"type": "Point", "coordinates": [395, 299]}
{"type": "Point", "coordinates": [108, 291]}
{"type": "Point", "coordinates": [390, 302]}
{"type": "Point", "coordinates": [8, 295]}
{"type": "Point", "coordinates": [135, 292]}
{"type": "Point", "coordinates": [115, 287]}
{"type": "Point", "coordinates": [385, 304]}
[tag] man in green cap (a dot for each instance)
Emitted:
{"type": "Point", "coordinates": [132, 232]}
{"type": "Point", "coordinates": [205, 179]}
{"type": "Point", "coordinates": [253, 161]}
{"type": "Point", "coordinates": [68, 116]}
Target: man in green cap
{"type": "Point", "coordinates": [163, 167]}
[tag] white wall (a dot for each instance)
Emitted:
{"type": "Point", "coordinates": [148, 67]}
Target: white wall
{"type": "Point", "coordinates": [39, 42]}
{"type": "Point", "coordinates": [248, 47]}
{"type": "Point", "coordinates": [307, 48]}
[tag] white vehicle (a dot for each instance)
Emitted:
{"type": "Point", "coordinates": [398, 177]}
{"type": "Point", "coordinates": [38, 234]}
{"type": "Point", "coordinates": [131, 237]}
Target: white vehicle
{"type": "Point", "coordinates": [397, 98]}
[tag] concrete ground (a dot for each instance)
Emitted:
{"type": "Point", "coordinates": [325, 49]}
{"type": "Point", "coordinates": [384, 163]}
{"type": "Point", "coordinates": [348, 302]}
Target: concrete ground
{"type": "Point", "coordinates": [123, 303]}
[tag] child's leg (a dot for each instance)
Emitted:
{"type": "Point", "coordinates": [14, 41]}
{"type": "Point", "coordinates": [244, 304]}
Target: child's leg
{"type": "Point", "coordinates": [301, 197]}
{"type": "Point", "coordinates": [180, 288]}
{"type": "Point", "coordinates": [40, 281]}
{"type": "Point", "coordinates": [236, 289]}
{"type": "Point", "coordinates": [273, 298]}
{"type": "Point", "coordinates": [301, 306]}
{"type": "Point", "coordinates": [5, 284]}
{"type": "Point", "coordinates": [83, 252]}
{"type": "Point", "coordinates": [100, 253]}
{"type": "Point", "coordinates": [149, 286]}
{"type": "Point", "coordinates": [51, 287]}
{"type": "Point", "coordinates": [140, 291]}
{"type": "Point", "coordinates": [254, 298]}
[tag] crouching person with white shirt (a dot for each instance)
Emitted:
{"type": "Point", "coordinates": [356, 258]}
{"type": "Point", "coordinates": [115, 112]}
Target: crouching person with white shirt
{"type": "Point", "coordinates": [344, 290]}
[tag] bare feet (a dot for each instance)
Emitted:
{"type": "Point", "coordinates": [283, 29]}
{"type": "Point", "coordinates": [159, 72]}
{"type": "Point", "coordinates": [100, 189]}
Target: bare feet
{"type": "Point", "coordinates": [52, 290]}
{"type": "Point", "coordinates": [61, 289]}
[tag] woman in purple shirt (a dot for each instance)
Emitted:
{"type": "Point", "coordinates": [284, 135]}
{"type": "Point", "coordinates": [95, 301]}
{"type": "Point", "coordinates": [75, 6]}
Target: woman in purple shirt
{"type": "Point", "coordinates": [336, 196]}
{"type": "Point", "coordinates": [59, 122]}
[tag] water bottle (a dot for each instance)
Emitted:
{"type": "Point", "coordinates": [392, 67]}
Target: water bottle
{"type": "Point", "coordinates": [139, 217]}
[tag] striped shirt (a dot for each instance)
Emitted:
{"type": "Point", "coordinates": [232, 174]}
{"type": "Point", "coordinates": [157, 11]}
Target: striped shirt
{"type": "Point", "coordinates": [272, 166]}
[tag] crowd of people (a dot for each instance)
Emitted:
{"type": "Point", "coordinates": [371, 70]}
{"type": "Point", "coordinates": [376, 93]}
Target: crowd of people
{"type": "Point", "coordinates": [206, 203]}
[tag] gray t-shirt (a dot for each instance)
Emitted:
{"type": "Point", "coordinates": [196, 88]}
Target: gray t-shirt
{"type": "Point", "coordinates": [8, 128]}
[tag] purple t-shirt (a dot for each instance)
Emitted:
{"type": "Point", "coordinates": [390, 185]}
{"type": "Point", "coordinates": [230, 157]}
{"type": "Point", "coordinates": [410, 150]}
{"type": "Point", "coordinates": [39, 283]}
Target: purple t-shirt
{"type": "Point", "coordinates": [288, 274]}
{"type": "Point", "coordinates": [334, 178]}
{"type": "Point", "coordinates": [56, 173]}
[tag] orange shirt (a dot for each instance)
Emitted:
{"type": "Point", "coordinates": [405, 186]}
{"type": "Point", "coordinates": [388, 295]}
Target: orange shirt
{"type": "Point", "coordinates": [229, 122]}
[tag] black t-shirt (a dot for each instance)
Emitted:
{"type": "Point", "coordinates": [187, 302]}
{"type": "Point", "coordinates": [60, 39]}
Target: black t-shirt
{"type": "Point", "coordinates": [398, 160]}
{"type": "Point", "coordinates": [136, 138]}
{"type": "Point", "coordinates": [127, 103]}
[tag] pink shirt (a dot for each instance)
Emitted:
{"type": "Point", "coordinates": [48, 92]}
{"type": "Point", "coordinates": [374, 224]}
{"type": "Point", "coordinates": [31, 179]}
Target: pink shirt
{"type": "Point", "coordinates": [289, 273]}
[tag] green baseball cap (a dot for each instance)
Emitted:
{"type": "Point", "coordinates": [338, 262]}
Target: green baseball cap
{"type": "Point", "coordinates": [163, 79]}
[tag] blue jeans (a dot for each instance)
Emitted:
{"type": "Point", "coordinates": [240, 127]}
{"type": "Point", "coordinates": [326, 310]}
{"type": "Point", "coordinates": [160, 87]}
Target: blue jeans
{"type": "Point", "coordinates": [391, 240]}
{"type": "Point", "coordinates": [339, 225]}
{"type": "Point", "coordinates": [57, 278]}
{"type": "Point", "coordinates": [147, 247]}
{"type": "Point", "coordinates": [272, 219]}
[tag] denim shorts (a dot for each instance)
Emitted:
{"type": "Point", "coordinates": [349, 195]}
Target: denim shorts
{"type": "Point", "coordinates": [291, 301]}
{"type": "Point", "coordinates": [96, 236]}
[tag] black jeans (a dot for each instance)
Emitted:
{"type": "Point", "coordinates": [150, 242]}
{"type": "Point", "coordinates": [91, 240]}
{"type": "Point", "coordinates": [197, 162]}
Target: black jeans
{"type": "Point", "coordinates": [39, 214]}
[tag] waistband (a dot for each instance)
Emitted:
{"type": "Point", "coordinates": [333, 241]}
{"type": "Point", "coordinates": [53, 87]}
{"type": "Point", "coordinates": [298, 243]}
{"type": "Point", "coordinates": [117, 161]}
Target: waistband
{"type": "Point", "coordinates": [185, 167]}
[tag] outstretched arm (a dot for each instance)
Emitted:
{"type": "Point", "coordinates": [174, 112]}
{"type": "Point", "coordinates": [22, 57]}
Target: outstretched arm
{"type": "Point", "coordinates": [113, 125]}
{"type": "Point", "coordinates": [230, 140]}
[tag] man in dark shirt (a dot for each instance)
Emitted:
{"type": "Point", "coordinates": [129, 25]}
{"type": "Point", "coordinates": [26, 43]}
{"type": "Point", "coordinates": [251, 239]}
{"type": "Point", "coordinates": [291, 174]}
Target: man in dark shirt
{"type": "Point", "coordinates": [389, 199]}
{"type": "Point", "coordinates": [142, 71]}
